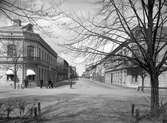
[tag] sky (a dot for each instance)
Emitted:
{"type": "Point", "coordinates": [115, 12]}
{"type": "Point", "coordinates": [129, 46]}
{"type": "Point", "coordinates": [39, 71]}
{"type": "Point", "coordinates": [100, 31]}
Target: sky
{"type": "Point", "coordinates": [51, 31]}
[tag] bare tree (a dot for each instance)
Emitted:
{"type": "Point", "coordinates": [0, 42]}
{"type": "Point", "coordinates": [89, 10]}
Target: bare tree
{"type": "Point", "coordinates": [11, 52]}
{"type": "Point", "coordinates": [137, 25]}
{"type": "Point", "coordinates": [27, 13]}
{"type": "Point", "coordinates": [143, 75]}
{"type": "Point", "coordinates": [12, 9]}
{"type": "Point", "coordinates": [16, 59]}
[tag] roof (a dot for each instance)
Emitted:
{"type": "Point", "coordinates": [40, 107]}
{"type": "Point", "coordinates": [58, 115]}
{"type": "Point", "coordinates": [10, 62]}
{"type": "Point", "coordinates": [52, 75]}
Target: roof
{"type": "Point", "coordinates": [60, 60]}
{"type": "Point", "coordinates": [24, 32]}
{"type": "Point", "coordinates": [11, 28]}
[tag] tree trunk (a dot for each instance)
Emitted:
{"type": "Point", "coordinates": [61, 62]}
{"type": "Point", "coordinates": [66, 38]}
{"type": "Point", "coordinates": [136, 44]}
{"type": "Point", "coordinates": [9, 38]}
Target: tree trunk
{"type": "Point", "coordinates": [154, 94]}
{"type": "Point", "coordinates": [142, 89]}
{"type": "Point", "coordinates": [15, 75]}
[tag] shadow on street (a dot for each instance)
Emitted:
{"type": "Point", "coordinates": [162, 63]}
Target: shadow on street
{"type": "Point", "coordinates": [60, 84]}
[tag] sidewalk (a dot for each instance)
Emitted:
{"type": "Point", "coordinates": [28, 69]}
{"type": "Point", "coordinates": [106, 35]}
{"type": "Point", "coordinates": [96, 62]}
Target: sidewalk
{"type": "Point", "coordinates": [162, 92]}
{"type": "Point", "coordinates": [109, 86]}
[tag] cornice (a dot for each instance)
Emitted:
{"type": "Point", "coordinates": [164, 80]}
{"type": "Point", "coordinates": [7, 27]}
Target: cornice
{"type": "Point", "coordinates": [27, 36]}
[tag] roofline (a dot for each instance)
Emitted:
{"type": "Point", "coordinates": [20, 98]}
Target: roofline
{"type": "Point", "coordinates": [53, 52]}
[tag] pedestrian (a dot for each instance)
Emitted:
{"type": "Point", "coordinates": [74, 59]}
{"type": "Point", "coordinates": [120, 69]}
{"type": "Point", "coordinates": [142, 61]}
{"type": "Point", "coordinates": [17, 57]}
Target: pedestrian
{"type": "Point", "coordinates": [41, 83]}
{"type": "Point", "coordinates": [26, 82]}
{"type": "Point", "coordinates": [49, 84]}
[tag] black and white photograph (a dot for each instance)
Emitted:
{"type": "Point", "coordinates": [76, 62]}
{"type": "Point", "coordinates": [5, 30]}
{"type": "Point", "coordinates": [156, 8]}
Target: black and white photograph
{"type": "Point", "coordinates": [83, 61]}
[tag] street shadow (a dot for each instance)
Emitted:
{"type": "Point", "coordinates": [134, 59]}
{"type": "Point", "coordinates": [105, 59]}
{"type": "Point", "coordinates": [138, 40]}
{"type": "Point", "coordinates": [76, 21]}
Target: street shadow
{"type": "Point", "coordinates": [60, 84]}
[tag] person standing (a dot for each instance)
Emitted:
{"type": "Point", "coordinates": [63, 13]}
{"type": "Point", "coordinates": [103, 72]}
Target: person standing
{"type": "Point", "coordinates": [41, 83]}
{"type": "Point", "coordinates": [49, 83]}
{"type": "Point", "coordinates": [26, 82]}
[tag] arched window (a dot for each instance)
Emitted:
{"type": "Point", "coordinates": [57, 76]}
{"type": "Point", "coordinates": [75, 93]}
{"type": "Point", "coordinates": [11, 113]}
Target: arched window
{"type": "Point", "coordinates": [11, 50]}
{"type": "Point", "coordinates": [30, 51]}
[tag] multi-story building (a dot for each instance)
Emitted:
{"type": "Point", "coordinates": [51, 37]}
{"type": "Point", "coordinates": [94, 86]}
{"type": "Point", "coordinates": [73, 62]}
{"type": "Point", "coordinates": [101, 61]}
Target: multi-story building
{"type": "Point", "coordinates": [96, 71]}
{"type": "Point", "coordinates": [89, 71]}
{"type": "Point", "coordinates": [120, 71]}
{"type": "Point", "coordinates": [62, 69]}
{"type": "Point", "coordinates": [73, 73]}
{"type": "Point", "coordinates": [35, 59]}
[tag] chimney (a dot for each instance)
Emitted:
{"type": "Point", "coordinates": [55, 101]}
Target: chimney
{"type": "Point", "coordinates": [17, 22]}
{"type": "Point", "coordinates": [28, 27]}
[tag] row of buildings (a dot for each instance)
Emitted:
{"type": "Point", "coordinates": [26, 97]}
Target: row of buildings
{"type": "Point", "coordinates": [112, 70]}
{"type": "Point", "coordinates": [25, 52]}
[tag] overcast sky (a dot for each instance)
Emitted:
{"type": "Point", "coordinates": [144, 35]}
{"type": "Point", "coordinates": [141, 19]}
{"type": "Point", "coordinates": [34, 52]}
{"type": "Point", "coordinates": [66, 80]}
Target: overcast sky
{"type": "Point", "coordinates": [53, 33]}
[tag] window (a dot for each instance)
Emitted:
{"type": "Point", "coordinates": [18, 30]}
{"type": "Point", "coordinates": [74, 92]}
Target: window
{"type": "Point", "coordinates": [10, 77]}
{"type": "Point", "coordinates": [11, 50]}
{"type": "Point", "coordinates": [42, 55]}
{"type": "Point", "coordinates": [31, 78]}
{"type": "Point", "coordinates": [30, 51]}
{"type": "Point", "coordinates": [39, 53]}
{"type": "Point", "coordinates": [134, 77]}
{"type": "Point", "coordinates": [47, 58]}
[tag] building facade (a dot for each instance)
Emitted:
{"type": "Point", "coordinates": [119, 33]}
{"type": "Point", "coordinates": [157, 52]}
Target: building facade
{"type": "Point", "coordinates": [72, 72]}
{"type": "Point", "coordinates": [95, 72]}
{"type": "Point", "coordinates": [62, 69]}
{"type": "Point", "coordinates": [121, 72]}
{"type": "Point", "coordinates": [33, 57]}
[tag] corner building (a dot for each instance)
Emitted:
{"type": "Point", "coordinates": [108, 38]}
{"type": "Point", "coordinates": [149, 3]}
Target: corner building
{"type": "Point", "coordinates": [33, 55]}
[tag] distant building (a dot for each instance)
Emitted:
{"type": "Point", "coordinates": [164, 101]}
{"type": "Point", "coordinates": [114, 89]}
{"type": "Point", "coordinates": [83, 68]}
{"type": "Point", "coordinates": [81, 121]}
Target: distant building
{"type": "Point", "coordinates": [122, 72]}
{"type": "Point", "coordinates": [119, 71]}
{"type": "Point", "coordinates": [62, 68]}
{"type": "Point", "coordinates": [36, 60]}
{"type": "Point", "coordinates": [96, 71]}
{"type": "Point", "coordinates": [73, 73]}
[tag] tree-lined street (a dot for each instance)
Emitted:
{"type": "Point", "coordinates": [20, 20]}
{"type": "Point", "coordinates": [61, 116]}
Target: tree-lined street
{"type": "Point", "coordinates": [86, 102]}
{"type": "Point", "coordinates": [119, 43]}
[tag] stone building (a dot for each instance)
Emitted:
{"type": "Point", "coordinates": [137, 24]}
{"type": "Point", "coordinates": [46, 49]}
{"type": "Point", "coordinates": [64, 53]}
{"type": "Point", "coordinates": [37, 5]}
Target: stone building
{"type": "Point", "coordinates": [72, 71]}
{"type": "Point", "coordinates": [62, 69]}
{"type": "Point", "coordinates": [95, 71]}
{"type": "Point", "coordinates": [119, 71]}
{"type": "Point", "coordinates": [34, 58]}
{"type": "Point", "coordinates": [122, 72]}
{"type": "Point", "coordinates": [125, 73]}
